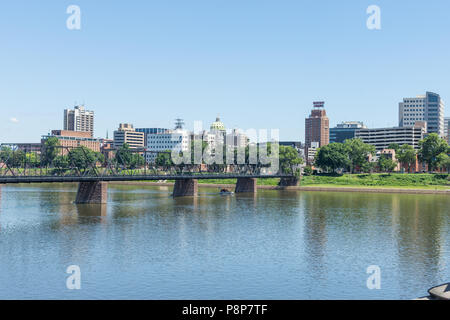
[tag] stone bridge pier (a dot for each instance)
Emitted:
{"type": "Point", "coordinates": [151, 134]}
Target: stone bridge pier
{"type": "Point", "coordinates": [92, 192]}
{"type": "Point", "coordinates": [185, 188]}
{"type": "Point", "coordinates": [246, 185]}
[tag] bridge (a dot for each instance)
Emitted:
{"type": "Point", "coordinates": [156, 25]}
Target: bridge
{"type": "Point", "coordinates": [93, 171]}
{"type": "Point", "coordinates": [93, 188]}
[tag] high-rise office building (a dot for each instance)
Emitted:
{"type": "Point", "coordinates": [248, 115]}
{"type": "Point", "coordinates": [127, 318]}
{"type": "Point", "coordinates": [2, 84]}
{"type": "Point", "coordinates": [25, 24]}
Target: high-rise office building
{"type": "Point", "coordinates": [79, 119]}
{"type": "Point", "coordinates": [127, 134]}
{"type": "Point", "coordinates": [317, 128]}
{"type": "Point", "coordinates": [429, 108]}
{"type": "Point", "coordinates": [345, 130]}
{"type": "Point", "coordinates": [447, 129]}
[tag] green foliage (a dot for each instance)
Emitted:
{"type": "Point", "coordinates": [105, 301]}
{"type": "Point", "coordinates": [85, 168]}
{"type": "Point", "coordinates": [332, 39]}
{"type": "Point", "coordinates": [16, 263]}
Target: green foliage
{"type": "Point", "coordinates": [164, 160]}
{"type": "Point", "coordinates": [128, 159]}
{"type": "Point", "coordinates": [379, 179]}
{"type": "Point", "coordinates": [49, 151]}
{"type": "Point", "coordinates": [386, 164]}
{"type": "Point", "coordinates": [351, 154]}
{"type": "Point", "coordinates": [406, 155]}
{"type": "Point", "coordinates": [307, 171]}
{"type": "Point", "coordinates": [84, 158]}
{"type": "Point", "coordinates": [288, 159]}
{"type": "Point", "coordinates": [12, 158]}
{"type": "Point", "coordinates": [443, 161]}
{"type": "Point", "coordinates": [394, 146]}
{"type": "Point", "coordinates": [358, 152]}
{"type": "Point", "coordinates": [333, 157]}
{"type": "Point", "coordinates": [430, 148]}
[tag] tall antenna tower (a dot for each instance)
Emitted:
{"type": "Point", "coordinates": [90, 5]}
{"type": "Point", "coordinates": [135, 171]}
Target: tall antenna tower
{"type": "Point", "coordinates": [179, 123]}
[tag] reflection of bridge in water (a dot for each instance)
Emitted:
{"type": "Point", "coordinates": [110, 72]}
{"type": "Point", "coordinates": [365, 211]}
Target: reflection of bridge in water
{"type": "Point", "coordinates": [93, 188]}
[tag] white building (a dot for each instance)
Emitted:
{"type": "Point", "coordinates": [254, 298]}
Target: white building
{"type": "Point", "coordinates": [79, 119]}
{"type": "Point", "coordinates": [428, 107]}
{"type": "Point", "coordinates": [177, 140]}
{"type": "Point", "coordinates": [446, 129]}
{"type": "Point", "coordinates": [381, 138]}
{"type": "Point", "coordinates": [237, 139]}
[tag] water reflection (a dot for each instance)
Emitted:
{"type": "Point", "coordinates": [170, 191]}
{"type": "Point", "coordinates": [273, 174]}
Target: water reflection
{"type": "Point", "coordinates": [275, 244]}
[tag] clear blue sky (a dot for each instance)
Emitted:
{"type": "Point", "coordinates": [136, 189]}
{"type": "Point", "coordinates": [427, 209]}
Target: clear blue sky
{"type": "Point", "coordinates": [259, 64]}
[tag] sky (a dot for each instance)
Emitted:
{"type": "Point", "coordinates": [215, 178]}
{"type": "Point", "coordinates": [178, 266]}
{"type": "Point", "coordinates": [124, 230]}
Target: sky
{"type": "Point", "coordinates": [257, 63]}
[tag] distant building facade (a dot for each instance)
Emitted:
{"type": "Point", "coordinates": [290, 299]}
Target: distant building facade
{"type": "Point", "coordinates": [317, 127]}
{"type": "Point", "coordinates": [148, 131]}
{"type": "Point", "coordinates": [381, 138]}
{"type": "Point", "coordinates": [25, 147]}
{"type": "Point", "coordinates": [345, 130]}
{"type": "Point", "coordinates": [173, 140]}
{"type": "Point", "coordinates": [79, 119]}
{"type": "Point", "coordinates": [428, 107]}
{"type": "Point", "coordinates": [69, 139]}
{"type": "Point", "coordinates": [447, 129]}
{"type": "Point", "coordinates": [127, 134]}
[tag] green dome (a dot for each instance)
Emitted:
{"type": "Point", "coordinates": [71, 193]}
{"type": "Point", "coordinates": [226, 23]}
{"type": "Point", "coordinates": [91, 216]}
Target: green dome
{"type": "Point", "coordinates": [217, 125]}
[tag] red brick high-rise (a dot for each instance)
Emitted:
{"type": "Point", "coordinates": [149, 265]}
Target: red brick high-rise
{"type": "Point", "coordinates": [317, 126]}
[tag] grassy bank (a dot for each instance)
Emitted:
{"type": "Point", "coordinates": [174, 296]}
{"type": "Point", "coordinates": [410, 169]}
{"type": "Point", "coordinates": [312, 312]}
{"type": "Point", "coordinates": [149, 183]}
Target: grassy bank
{"type": "Point", "coordinates": [395, 180]}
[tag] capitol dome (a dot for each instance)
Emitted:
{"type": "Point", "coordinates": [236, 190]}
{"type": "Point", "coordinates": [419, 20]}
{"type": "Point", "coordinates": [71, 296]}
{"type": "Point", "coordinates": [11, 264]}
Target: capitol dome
{"type": "Point", "coordinates": [217, 125]}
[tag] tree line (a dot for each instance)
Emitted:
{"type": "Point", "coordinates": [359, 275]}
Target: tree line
{"type": "Point", "coordinates": [352, 156]}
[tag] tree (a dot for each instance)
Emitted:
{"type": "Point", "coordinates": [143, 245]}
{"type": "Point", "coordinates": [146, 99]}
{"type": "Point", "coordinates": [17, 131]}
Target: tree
{"type": "Point", "coordinates": [32, 159]}
{"type": "Point", "coordinates": [443, 162]}
{"type": "Point", "coordinates": [394, 146]}
{"type": "Point", "coordinates": [164, 160]}
{"type": "Point", "coordinates": [358, 152]}
{"type": "Point", "coordinates": [406, 155]}
{"type": "Point", "coordinates": [288, 159]}
{"type": "Point", "coordinates": [332, 157]}
{"type": "Point", "coordinates": [430, 148]}
{"type": "Point", "coordinates": [307, 171]}
{"type": "Point", "coordinates": [50, 151]}
{"type": "Point", "coordinates": [84, 158]}
{"type": "Point", "coordinates": [123, 155]}
{"type": "Point", "coordinates": [386, 164]}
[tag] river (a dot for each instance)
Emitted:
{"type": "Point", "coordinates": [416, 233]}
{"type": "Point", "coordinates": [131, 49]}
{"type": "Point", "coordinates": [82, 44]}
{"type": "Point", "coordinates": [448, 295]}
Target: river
{"type": "Point", "coordinates": [275, 245]}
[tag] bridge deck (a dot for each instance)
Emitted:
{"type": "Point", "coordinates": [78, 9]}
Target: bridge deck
{"type": "Point", "coordinates": [112, 178]}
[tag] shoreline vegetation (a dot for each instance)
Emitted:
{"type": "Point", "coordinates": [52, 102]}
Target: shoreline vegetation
{"type": "Point", "coordinates": [395, 182]}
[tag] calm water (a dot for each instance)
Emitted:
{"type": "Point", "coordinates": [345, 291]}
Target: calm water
{"type": "Point", "coordinates": [277, 245]}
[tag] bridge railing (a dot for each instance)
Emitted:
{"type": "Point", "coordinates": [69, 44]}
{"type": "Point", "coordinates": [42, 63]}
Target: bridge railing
{"type": "Point", "coordinates": [62, 161]}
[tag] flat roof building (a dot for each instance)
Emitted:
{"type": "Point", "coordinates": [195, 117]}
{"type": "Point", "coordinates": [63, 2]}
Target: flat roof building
{"type": "Point", "coordinates": [381, 138]}
{"type": "Point", "coordinates": [345, 130]}
{"type": "Point", "coordinates": [127, 134]}
{"type": "Point", "coordinates": [72, 139]}
{"type": "Point", "coordinates": [428, 107]}
{"type": "Point", "coordinates": [79, 119]}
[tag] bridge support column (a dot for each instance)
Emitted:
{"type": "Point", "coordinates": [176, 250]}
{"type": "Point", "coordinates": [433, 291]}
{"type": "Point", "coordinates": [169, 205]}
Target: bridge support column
{"type": "Point", "coordinates": [92, 192]}
{"type": "Point", "coordinates": [289, 182]}
{"type": "Point", "coordinates": [246, 185]}
{"type": "Point", "coordinates": [185, 188]}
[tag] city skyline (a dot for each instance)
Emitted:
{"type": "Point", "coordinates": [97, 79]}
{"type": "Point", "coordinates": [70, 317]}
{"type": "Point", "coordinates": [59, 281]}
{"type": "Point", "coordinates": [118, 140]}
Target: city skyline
{"type": "Point", "coordinates": [259, 66]}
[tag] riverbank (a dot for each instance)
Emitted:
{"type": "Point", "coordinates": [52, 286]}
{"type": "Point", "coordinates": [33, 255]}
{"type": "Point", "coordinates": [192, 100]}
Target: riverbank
{"type": "Point", "coordinates": [328, 188]}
